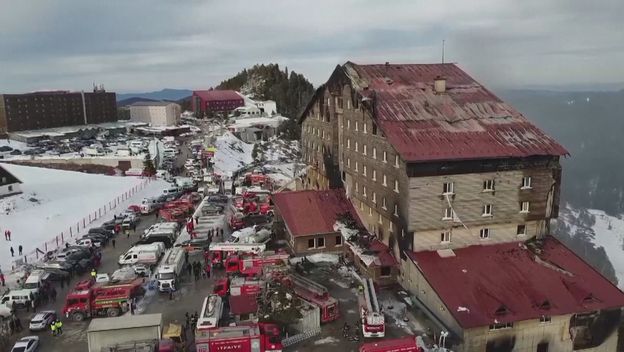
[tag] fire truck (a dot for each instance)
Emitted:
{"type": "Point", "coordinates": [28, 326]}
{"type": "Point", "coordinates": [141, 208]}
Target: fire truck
{"type": "Point", "coordinates": [252, 265]}
{"type": "Point", "coordinates": [211, 312]}
{"type": "Point", "coordinates": [237, 286]}
{"type": "Point", "coordinates": [373, 323]}
{"type": "Point", "coordinates": [261, 337]}
{"type": "Point", "coordinates": [219, 251]}
{"type": "Point", "coordinates": [89, 300]}
{"type": "Point", "coordinates": [402, 344]}
{"type": "Point", "coordinates": [313, 293]}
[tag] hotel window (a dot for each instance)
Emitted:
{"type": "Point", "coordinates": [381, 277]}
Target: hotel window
{"type": "Point", "coordinates": [383, 204]}
{"type": "Point", "coordinates": [448, 214]}
{"type": "Point", "coordinates": [488, 185]}
{"type": "Point", "coordinates": [448, 188]}
{"type": "Point", "coordinates": [385, 179]}
{"type": "Point", "coordinates": [487, 210]}
{"type": "Point", "coordinates": [521, 230]}
{"type": "Point", "coordinates": [396, 210]}
{"type": "Point", "coordinates": [356, 126]}
{"type": "Point", "coordinates": [374, 175]}
{"type": "Point", "coordinates": [320, 242]}
{"type": "Point", "coordinates": [356, 166]}
{"type": "Point", "coordinates": [370, 212]}
{"type": "Point", "coordinates": [364, 191]}
{"type": "Point", "coordinates": [385, 157]}
{"type": "Point", "coordinates": [500, 326]}
{"type": "Point", "coordinates": [339, 240]}
{"type": "Point", "coordinates": [445, 237]}
{"type": "Point", "coordinates": [545, 319]}
{"type": "Point", "coordinates": [364, 128]}
{"type": "Point", "coordinates": [364, 170]}
{"type": "Point", "coordinates": [348, 124]}
{"type": "Point", "coordinates": [484, 233]}
{"type": "Point", "coordinates": [396, 161]}
{"type": "Point", "coordinates": [311, 243]}
{"type": "Point", "coordinates": [524, 207]}
{"type": "Point", "coordinates": [374, 153]}
{"type": "Point", "coordinates": [526, 182]}
{"type": "Point", "coordinates": [374, 128]}
{"type": "Point", "coordinates": [364, 149]}
{"type": "Point", "coordinates": [374, 197]}
{"type": "Point", "coordinates": [361, 206]}
{"type": "Point", "coordinates": [396, 186]}
{"type": "Point", "coordinates": [357, 188]}
{"type": "Point", "coordinates": [348, 143]}
{"type": "Point", "coordinates": [380, 219]}
{"type": "Point", "coordinates": [356, 146]}
{"type": "Point", "coordinates": [348, 162]}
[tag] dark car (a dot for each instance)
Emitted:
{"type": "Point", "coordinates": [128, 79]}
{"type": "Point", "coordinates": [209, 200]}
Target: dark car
{"type": "Point", "coordinates": [153, 239]}
{"type": "Point", "coordinates": [98, 240]}
{"type": "Point", "coordinates": [196, 243]}
{"type": "Point", "coordinates": [102, 231]}
{"type": "Point", "coordinates": [218, 199]}
{"type": "Point", "coordinates": [256, 219]}
{"type": "Point", "coordinates": [16, 152]}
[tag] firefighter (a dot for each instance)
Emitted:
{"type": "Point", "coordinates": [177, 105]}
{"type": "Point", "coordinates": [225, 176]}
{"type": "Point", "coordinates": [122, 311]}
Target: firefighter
{"type": "Point", "coordinates": [93, 273]}
{"type": "Point", "coordinates": [59, 327]}
{"type": "Point", "coordinates": [53, 328]}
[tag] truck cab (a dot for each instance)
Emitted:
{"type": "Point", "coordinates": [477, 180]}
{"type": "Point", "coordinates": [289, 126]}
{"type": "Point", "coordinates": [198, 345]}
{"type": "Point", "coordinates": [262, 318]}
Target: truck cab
{"type": "Point", "coordinates": [89, 300]}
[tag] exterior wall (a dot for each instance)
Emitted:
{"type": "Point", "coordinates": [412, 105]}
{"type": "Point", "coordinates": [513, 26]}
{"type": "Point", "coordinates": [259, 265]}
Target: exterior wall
{"type": "Point", "coordinates": [3, 117]}
{"type": "Point", "coordinates": [372, 271]}
{"type": "Point", "coordinates": [269, 107]}
{"type": "Point", "coordinates": [56, 109]}
{"type": "Point", "coordinates": [427, 205]}
{"type": "Point", "coordinates": [529, 333]}
{"type": "Point", "coordinates": [156, 115]}
{"type": "Point", "coordinates": [7, 190]}
{"type": "Point", "coordinates": [414, 282]}
{"type": "Point", "coordinates": [98, 340]}
{"type": "Point", "coordinates": [300, 244]}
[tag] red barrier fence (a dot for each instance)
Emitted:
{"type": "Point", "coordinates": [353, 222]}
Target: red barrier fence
{"type": "Point", "coordinates": [82, 224]}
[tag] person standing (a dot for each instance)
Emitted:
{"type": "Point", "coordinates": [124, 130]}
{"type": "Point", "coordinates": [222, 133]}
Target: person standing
{"type": "Point", "coordinates": [8, 233]}
{"type": "Point", "coordinates": [18, 324]}
{"type": "Point", "coordinates": [59, 327]}
{"type": "Point", "coordinates": [2, 279]}
{"type": "Point", "coordinates": [20, 249]}
{"type": "Point", "coordinates": [6, 237]}
{"type": "Point", "coordinates": [113, 242]}
{"type": "Point", "coordinates": [93, 273]}
{"type": "Point", "coordinates": [12, 252]}
{"type": "Point", "coordinates": [53, 328]}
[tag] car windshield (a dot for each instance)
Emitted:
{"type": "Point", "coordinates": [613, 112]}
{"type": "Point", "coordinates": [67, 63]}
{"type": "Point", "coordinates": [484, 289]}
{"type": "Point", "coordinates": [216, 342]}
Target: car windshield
{"type": "Point", "coordinates": [31, 285]}
{"type": "Point", "coordinates": [35, 321]}
{"type": "Point", "coordinates": [18, 349]}
{"type": "Point", "coordinates": [165, 276]}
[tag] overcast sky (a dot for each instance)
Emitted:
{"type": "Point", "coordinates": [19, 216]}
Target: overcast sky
{"type": "Point", "coordinates": [142, 45]}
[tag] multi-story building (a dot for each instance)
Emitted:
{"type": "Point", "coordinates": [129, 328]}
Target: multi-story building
{"type": "Point", "coordinates": [207, 101]}
{"type": "Point", "coordinates": [38, 110]}
{"type": "Point", "coordinates": [435, 164]}
{"type": "Point", "coordinates": [156, 113]}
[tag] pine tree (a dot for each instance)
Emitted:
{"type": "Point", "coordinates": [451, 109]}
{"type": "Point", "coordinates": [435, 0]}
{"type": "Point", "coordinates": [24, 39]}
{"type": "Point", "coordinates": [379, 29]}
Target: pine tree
{"type": "Point", "coordinates": [148, 165]}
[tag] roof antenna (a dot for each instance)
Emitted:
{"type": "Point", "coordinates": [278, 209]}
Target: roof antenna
{"type": "Point", "coordinates": [443, 41]}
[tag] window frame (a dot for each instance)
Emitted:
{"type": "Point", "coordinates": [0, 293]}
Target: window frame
{"type": "Point", "coordinates": [527, 182]}
{"type": "Point", "coordinates": [484, 233]}
{"type": "Point", "coordinates": [448, 214]}
{"type": "Point", "coordinates": [317, 242]}
{"type": "Point", "coordinates": [523, 209]}
{"type": "Point", "coordinates": [446, 237]}
{"type": "Point", "coordinates": [487, 210]}
{"type": "Point", "coordinates": [524, 230]}
{"type": "Point", "coordinates": [448, 188]}
{"type": "Point", "coordinates": [488, 185]}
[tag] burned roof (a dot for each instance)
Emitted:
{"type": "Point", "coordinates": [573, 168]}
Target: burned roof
{"type": "Point", "coordinates": [311, 212]}
{"type": "Point", "coordinates": [502, 283]}
{"type": "Point", "coordinates": [465, 121]}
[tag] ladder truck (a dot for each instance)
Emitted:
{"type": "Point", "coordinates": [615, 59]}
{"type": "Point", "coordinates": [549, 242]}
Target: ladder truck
{"type": "Point", "coordinates": [211, 312]}
{"type": "Point", "coordinates": [373, 322]}
{"type": "Point", "coordinates": [220, 250]}
{"type": "Point", "coordinates": [315, 294]}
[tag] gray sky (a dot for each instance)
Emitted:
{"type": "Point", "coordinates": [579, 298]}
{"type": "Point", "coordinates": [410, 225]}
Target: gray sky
{"type": "Point", "coordinates": [141, 45]}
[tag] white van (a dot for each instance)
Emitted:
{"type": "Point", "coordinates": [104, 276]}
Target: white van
{"type": "Point", "coordinates": [19, 297]}
{"type": "Point", "coordinates": [148, 205]}
{"type": "Point", "coordinates": [171, 190]}
{"type": "Point", "coordinates": [139, 257]}
{"type": "Point", "coordinates": [34, 282]}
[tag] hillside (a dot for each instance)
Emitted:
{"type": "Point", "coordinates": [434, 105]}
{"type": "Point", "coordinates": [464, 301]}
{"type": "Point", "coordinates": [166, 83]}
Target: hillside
{"type": "Point", "coordinates": [291, 91]}
{"type": "Point", "coordinates": [164, 94]}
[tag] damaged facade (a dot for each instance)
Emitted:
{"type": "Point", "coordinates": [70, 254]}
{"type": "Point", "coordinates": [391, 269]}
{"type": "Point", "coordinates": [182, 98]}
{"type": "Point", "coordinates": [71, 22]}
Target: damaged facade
{"type": "Point", "coordinates": [433, 162]}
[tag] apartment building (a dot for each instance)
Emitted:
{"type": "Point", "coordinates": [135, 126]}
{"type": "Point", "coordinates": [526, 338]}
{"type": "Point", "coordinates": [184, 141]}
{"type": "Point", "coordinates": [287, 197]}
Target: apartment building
{"type": "Point", "coordinates": [209, 101]}
{"type": "Point", "coordinates": [39, 110]}
{"type": "Point", "coordinates": [435, 164]}
{"type": "Point", "coordinates": [156, 113]}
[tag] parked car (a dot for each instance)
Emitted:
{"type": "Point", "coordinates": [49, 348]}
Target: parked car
{"type": "Point", "coordinates": [42, 320]}
{"type": "Point", "coordinates": [26, 344]}
{"type": "Point", "coordinates": [52, 274]}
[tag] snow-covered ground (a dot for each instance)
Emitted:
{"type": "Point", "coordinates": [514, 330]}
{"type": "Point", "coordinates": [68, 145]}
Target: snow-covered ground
{"type": "Point", "coordinates": [610, 235]}
{"type": "Point", "coordinates": [232, 154]}
{"type": "Point", "coordinates": [53, 201]}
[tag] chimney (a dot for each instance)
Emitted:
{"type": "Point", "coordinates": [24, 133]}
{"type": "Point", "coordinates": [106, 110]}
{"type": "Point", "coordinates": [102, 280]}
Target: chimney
{"type": "Point", "coordinates": [439, 84]}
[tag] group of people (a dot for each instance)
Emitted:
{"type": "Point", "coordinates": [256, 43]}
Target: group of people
{"type": "Point", "coordinates": [7, 235]}
{"type": "Point", "coordinates": [57, 327]}
{"type": "Point", "coordinates": [198, 270]}
{"type": "Point", "coordinates": [19, 249]}
{"type": "Point", "coordinates": [191, 321]}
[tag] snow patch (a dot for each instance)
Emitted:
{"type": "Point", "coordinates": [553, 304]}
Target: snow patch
{"type": "Point", "coordinates": [232, 154]}
{"type": "Point", "coordinates": [326, 340]}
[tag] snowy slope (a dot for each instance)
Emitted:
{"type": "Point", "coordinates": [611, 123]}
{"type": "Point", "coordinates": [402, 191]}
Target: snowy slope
{"type": "Point", "coordinates": [608, 232]}
{"type": "Point", "coordinates": [232, 154]}
{"type": "Point", "coordinates": [54, 200]}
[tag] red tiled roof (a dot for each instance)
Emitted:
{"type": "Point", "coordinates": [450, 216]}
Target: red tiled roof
{"type": "Point", "coordinates": [466, 122]}
{"type": "Point", "coordinates": [481, 280]}
{"type": "Point", "coordinates": [312, 212]}
{"type": "Point", "coordinates": [243, 304]}
{"type": "Point", "coordinates": [214, 95]}
{"type": "Point", "coordinates": [383, 254]}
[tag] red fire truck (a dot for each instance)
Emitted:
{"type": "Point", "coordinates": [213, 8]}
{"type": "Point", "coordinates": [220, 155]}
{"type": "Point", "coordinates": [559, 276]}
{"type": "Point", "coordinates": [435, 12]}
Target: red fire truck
{"type": "Point", "coordinates": [237, 286]}
{"type": "Point", "coordinates": [88, 299]}
{"type": "Point", "coordinates": [313, 293]}
{"type": "Point", "coordinates": [252, 265]}
{"type": "Point", "coordinates": [402, 344]}
{"type": "Point", "coordinates": [261, 337]}
{"type": "Point", "coordinates": [373, 322]}
{"type": "Point", "coordinates": [220, 250]}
